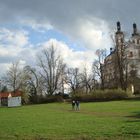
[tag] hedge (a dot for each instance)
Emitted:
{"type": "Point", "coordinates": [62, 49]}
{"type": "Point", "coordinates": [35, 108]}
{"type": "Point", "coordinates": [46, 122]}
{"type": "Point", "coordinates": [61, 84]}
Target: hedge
{"type": "Point", "coordinates": [102, 95]}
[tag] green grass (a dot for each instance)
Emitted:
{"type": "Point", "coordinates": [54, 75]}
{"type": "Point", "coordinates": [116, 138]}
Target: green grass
{"type": "Point", "coordinates": [118, 120]}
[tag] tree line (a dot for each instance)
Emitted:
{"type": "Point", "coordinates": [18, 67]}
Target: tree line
{"type": "Point", "coordinates": [50, 76]}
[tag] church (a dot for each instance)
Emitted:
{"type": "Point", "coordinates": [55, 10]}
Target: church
{"type": "Point", "coordinates": [121, 68]}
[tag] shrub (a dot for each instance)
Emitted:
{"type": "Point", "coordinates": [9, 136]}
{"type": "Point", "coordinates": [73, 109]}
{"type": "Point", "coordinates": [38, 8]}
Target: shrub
{"type": "Point", "coordinates": [101, 95]}
{"type": "Point", "coordinates": [53, 98]}
{"type": "Point", "coordinates": [39, 99]}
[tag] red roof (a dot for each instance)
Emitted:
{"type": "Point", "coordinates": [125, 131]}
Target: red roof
{"type": "Point", "coordinates": [6, 94]}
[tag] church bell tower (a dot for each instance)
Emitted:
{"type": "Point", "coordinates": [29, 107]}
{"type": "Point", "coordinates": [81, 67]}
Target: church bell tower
{"type": "Point", "coordinates": [119, 38]}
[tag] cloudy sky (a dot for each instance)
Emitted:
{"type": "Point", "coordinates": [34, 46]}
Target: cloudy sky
{"type": "Point", "coordinates": [77, 27]}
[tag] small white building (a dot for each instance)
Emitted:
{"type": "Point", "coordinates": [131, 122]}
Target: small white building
{"type": "Point", "coordinates": [10, 99]}
{"type": "Point", "coordinates": [14, 101]}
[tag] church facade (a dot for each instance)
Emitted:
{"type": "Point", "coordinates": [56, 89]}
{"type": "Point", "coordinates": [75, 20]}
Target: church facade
{"type": "Point", "coordinates": [121, 68]}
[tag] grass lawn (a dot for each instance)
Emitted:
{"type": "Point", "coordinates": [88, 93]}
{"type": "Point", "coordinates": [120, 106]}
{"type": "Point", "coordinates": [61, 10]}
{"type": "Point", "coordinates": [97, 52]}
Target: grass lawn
{"type": "Point", "coordinates": [116, 120]}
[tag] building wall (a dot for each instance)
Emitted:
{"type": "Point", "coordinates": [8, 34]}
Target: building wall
{"type": "Point", "coordinates": [14, 101]}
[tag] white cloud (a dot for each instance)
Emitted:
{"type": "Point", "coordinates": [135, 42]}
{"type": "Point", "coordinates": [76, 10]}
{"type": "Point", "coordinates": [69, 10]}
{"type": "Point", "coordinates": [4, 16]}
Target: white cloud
{"type": "Point", "coordinates": [15, 46]}
{"type": "Point", "coordinates": [17, 38]}
{"type": "Point", "coordinates": [4, 67]}
{"type": "Point", "coordinates": [93, 32]}
{"type": "Point", "coordinates": [3, 51]}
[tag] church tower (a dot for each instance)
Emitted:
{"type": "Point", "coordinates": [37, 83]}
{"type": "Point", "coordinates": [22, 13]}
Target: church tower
{"type": "Point", "coordinates": [119, 56]}
{"type": "Point", "coordinates": [119, 38]}
{"type": "Point", "coordinates": [135, 39]}
{"type": "Point", "coordinates": [134, 30]}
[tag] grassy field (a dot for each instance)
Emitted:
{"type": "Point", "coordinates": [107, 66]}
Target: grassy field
{"type": "Point", "coordinates": [118, 120]}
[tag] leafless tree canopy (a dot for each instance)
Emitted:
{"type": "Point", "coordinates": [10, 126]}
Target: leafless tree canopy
{"type": "Point", "coordinates": [73, 79]}
{"type": "Point", "coordinates": [14, 77]}
{"type": "Point", "coordinates": [88, 80]}
{"type": "Point", "coordinates": [97, 65]}
{"type": "Point", "coordinates": [52, 67]}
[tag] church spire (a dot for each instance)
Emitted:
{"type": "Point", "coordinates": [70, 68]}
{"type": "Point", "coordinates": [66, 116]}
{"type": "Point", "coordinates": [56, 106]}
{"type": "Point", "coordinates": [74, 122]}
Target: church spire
{"type": "Point", "coordinates": [118, 26]}
{"type": "Point", "coordinates": [134, 29]}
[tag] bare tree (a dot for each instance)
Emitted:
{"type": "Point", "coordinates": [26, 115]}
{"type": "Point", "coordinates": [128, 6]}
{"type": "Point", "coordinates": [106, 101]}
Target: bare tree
{"type": "Point", "coordinates": [98, 65]}
{"type": "Point", "coordinates": [31, 79]}
{"type": "Point", "coordinates": [88, 80]}
{"type": "Point", "coordinates": [73, 79]}
{"type": "Point", "coordinates": [14, 77]}
{"type": "Point", "coordinates": [51, 65]}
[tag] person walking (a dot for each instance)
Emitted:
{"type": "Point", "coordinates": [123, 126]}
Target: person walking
{"type": "Point", "coordinates": [77, 105]}
{"type": "Point", "coordinates": [73, 105]}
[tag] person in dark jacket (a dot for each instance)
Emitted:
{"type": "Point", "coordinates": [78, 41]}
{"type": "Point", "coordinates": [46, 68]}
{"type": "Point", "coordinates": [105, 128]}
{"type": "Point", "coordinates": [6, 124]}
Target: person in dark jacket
{"type": "Point", "coordinates": [77, 105]}
{"type": "Point", "coordinates": [73, 105]}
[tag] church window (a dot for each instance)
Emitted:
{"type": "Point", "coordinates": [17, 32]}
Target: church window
{"type": "Point", "coordinates": [131, 54]}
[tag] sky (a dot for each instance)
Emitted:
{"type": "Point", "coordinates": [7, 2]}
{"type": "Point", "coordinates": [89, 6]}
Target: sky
{"type": "Point", "coordinates": [76, 27]}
